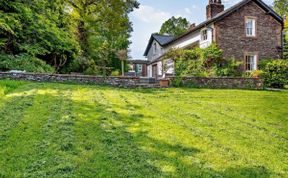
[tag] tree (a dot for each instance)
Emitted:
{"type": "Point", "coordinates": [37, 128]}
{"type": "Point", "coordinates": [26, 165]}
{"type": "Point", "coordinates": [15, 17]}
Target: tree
{"type": "Point", "coordinates": [103, 29]}
{"type": "Point", "coordinates": [70, 35]}
{"type": "Point", "coordinates": [175, 26]}
{"type": "Point", "coordinates": [36, 29]}
{"type": "Point", "coordinates": [285, 47]}
{"type": "Point", "coordinates": [281, 7]}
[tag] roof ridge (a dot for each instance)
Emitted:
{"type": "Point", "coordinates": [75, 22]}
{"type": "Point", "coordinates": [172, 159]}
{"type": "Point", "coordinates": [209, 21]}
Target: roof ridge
{"type": "Point", "coordinates": [221, 14]}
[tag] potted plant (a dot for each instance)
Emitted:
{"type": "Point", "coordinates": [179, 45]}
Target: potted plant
{"type": "Point", "coordinates": [164, 82]}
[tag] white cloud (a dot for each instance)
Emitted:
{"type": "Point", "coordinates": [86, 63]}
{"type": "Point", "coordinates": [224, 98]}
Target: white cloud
{"type": "Point", "coordinates": [188, 11]}
{"type": "Point", "coordinates": [147, 20]}
{"type": "Point", "coordinates": [194, 6]}
{"type": "Point", "coordinates": [149, 14]}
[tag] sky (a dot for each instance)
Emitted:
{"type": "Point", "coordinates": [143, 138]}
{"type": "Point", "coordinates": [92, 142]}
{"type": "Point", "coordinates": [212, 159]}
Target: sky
{"type": "Point", "coordinates": [152, 13]}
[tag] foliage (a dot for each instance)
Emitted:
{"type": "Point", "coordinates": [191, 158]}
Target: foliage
{"type": "Point", "coordinates": [103, 29]}
{"type": "Point", "coordinates": [206, 62]}
{"type": "Point", "coordinates": [175, 26]}
{"type": "Point", "coordinates": [276, 73]}
{"type": "Point", "coordinates": [24, 62]}
{"type": "Point", "coordinates": [115, 73]}
{"type": "Point", "coordinates": [227, 68]}
{"type": "Point", "coordinates": [281, 7]}
{"type": "Point", "coordinates": [285, 47]}
{"type": "Point", "coordinates": [39, 29]}
{"type": "Point", "coordinates": [60, 32]}
{"type": "Point", "coordinates": [254, 74]}
{"type": "Point", "coordinates": [82, 131]}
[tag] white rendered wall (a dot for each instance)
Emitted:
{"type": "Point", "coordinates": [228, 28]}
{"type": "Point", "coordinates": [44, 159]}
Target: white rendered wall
{"type": "Point", "coordinates": [155, 53]}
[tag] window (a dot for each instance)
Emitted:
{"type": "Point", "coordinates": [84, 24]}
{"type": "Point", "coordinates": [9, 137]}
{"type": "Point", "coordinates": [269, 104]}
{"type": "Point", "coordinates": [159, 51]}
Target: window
{"type": "Point", "coordinates": [251, 62]}
{"type": "Point", "coordinates": [250, 26]}
{"type": "Point", "coordinates": [204, 35]}
{"type": "Point", "coordinates": [139, 67]}
{"type": "Point", "coordinates": [155, 48]}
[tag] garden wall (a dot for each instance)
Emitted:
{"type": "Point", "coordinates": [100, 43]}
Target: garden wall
{"type": "Point", "coordinates": [81, 79]}
{"type": "Point", "coordinates": [132, 82]}
{"type": "Point", "coordinates": [225, 83]}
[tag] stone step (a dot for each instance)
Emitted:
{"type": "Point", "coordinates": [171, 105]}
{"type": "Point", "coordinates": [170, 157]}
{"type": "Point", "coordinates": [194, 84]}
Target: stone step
{"type": "Point", "coordinates": [145, 85]}
{"type": "Point", "coordinates": [147, 80]}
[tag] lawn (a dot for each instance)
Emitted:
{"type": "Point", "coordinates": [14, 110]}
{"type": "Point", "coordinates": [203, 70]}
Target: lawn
{"type": "Point", "coordinates": [61, 130]}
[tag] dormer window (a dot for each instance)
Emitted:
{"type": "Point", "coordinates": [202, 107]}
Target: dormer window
{"type": "Point", "coordinates": [204, 35]}
{"type": "Point", "coordinates": [250, 26]}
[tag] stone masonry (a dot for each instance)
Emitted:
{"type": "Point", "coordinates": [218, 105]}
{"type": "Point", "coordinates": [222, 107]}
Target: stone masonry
{"type": "Point", "coordinates": [231, 37]}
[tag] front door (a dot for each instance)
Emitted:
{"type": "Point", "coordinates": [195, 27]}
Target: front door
{"type": "Point", "coordinates": [154, 71]}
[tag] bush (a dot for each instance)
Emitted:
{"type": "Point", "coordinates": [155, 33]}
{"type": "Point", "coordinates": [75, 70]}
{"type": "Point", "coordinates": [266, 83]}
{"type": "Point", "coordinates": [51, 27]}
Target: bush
{"type": "Point", "coordinates": [227, 68]}
{"type": "Point", "coordinates": [206, 62]}
{"type": "Point", "coordinates": [254, 74]}
{"type": "Point", "coordinates": [276, 73]}
{"type": "Point", "coordinates": [115, 73]}
{"type": "Point", "coordinates": [24, 62]}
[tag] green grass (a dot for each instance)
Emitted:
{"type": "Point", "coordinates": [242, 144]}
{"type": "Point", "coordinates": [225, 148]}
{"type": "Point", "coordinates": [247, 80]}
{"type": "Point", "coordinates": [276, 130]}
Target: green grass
{"type": "Point", "coordinates": [57, 130]}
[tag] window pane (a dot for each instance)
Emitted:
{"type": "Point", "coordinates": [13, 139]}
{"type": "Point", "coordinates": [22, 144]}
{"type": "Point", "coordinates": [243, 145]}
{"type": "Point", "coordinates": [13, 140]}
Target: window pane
{"type": "Point", "coordinates": [250, 27]}
{"type": "Point", "coordinates": [251, 62]}
{"type": "Point", "coordinates": [204, 35]}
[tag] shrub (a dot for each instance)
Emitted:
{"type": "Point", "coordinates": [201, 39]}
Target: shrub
{"type": "Point", "coordinates": [24, 62]}
{"type": "Point", "coordinates": [211, 55]}
{"type": "Point", "coordinates": [276, 73]}
{"type": "Point", "coordinates": [115, 73]}
{"type": "Point", "coordinates": [227, 68]}
{"type": "Point", "coordinates": [206, 62]}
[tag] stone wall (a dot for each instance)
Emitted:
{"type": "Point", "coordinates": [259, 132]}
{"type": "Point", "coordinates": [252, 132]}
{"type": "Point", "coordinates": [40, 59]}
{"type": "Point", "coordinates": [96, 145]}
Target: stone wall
{"type": "Point", "coordinates": [225, 83]}
{"type": "Point", "coordinates": [231, 36]}
{"type": "Point", "coordinates": [132, 82]}
{"type": "Point", "coordinates": [81, 79]}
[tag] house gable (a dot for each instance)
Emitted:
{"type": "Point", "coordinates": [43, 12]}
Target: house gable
{"type": "Point", "coordinates": [161, 40]}
{"type": "Point", "coordinates": [231, 37]}
{"type": "Point", "coordinates": [154, 51]}
{"type": "Point", "coordinates": [226, 13]}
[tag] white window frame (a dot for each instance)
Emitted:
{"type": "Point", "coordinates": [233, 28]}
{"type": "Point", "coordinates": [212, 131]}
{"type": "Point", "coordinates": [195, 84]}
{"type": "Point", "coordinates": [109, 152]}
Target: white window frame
{"type": "Point", "coordinates": [250, 27]}
{"type": "Point", "coordinates": [251, 62]}
{"type": "Point", "coordinates": [204, 35]}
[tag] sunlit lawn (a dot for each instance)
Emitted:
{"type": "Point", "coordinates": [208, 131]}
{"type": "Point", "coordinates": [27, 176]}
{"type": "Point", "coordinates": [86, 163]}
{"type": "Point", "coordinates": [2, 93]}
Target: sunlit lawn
{"type": "Point", "coordinates": [56, 130]}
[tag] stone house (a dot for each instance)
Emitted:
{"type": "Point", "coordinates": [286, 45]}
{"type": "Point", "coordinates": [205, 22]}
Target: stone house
{"type": "Point", "coordinates": [248, 31]}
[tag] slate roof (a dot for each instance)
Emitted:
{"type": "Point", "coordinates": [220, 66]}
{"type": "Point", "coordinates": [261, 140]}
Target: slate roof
{"type": "Point", "coordinates": [161, 39]}
{"type": "Point", "coordinates": [227, 12]}
{"type": "Point", "coordinates": [220, 16]}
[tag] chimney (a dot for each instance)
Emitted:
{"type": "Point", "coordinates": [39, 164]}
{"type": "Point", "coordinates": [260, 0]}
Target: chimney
{"type": "Point", "coordinates": [213, 8]}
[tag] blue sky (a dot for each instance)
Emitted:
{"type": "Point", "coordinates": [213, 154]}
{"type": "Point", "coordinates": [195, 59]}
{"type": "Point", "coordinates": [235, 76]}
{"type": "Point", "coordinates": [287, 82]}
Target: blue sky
{"type": "Point", "coordinates": [152, 13]}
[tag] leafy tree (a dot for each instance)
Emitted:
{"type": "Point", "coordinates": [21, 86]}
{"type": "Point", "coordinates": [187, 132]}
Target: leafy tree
{"type": "Point", "coordinates": [103, 29]}
{"type": "Point", "coordinates": [175, 26]}
{"type": "Point", "coordinates": [281, 7]}
{"type": "Point", "coordinates": [70, 35]}
{"type": "Point", "coordinates": [36, 28]}
{"type": "Point", "coordinates": [285, 50]}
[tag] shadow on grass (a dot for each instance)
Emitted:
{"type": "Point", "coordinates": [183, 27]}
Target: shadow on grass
{"type": "Point", "coordinates": [105, 146]}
